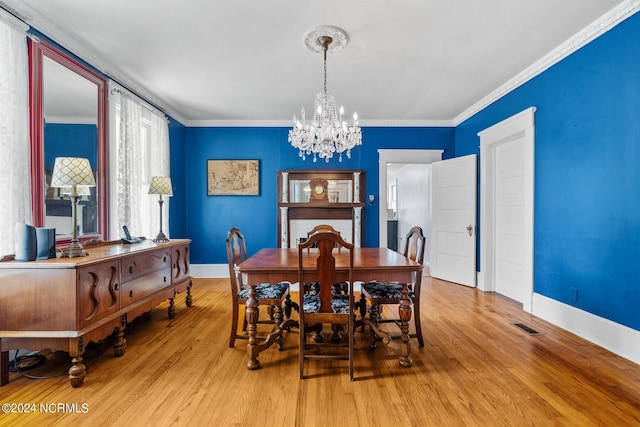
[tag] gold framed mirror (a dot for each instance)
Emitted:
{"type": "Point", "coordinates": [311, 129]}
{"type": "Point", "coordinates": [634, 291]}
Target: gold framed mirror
{"type": "Point", "coordinates": [68, 119]}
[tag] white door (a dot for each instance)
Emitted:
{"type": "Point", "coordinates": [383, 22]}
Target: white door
{"type": "Point", "coordinates": [510, 266]}
{"type": "Point", "coordinates": [506, 216]}
{"type": "Point", "coordinates": [453, 222]}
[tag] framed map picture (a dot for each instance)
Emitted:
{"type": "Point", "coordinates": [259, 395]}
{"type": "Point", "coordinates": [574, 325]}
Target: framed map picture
{"type": "Point", "coordinates": [233, 177]}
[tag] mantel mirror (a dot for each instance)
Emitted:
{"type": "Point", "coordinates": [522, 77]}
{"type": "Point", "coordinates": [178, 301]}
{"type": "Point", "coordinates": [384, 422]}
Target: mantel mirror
{"type": "Point", "coordinates": [307, 198]}
{"type": "Point", "coordinates": [68, 119]}
{"type": "Point", "coordinates": [338, 190]}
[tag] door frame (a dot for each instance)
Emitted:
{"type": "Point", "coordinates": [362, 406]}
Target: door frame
{"type": "Point", "coordinates": [516, 126]}
{"type": "Point", "coordinates": [397, 156]}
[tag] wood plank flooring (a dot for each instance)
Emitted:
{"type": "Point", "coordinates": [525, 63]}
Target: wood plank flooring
{"type": "Point", "coordinates": [476, 369]}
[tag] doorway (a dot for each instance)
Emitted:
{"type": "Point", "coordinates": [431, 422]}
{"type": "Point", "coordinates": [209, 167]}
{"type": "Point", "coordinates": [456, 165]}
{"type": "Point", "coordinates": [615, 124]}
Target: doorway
{"type": "Point", "coordinates": [389, 160]}
{"type": "Point", "coordinates": [506, 208]}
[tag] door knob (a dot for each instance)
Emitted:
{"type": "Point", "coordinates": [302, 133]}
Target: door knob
{"type": "Point", "coordinates": [470, 230]}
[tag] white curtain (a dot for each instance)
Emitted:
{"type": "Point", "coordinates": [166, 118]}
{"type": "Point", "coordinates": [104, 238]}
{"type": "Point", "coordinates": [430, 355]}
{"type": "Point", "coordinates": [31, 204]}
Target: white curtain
{"type": "Point", "coordinates": [15, 170]}
{"type": "Point", "coordinates": [141, 144]}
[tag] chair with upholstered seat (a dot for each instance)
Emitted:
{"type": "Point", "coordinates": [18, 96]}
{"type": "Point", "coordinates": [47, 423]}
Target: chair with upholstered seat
{"type": "Point", "coordinates": [380, 294]}
{"type": "Point", "coordinates": [275, 296]}
{"type": "Point", "coordinates": [339, 290]}
{"type": "Point", "coordinates": [320, 270]}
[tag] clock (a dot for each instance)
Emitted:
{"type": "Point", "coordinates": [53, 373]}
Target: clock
{"type": "Point", "coordinates": [318, 189]}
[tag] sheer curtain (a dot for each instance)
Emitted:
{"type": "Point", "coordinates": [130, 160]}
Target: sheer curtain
{"type": "Point", "coordinates": [139, 151]}
{"type": "Point", "coordinates": [15, 170]}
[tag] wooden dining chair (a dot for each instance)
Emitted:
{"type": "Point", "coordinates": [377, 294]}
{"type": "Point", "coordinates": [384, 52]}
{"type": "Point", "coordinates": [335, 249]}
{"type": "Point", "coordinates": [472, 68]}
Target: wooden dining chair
{"type": "Point", "coordinates": [339, 290]}
{"type": "Point", "coordinates": [275, 296]}
{"type": "Point", "coordinates": [320, 268]}
{"type": "Point", "coordinates": [321, 228]}
{"type": "Point", "coordinates": [380, 294]}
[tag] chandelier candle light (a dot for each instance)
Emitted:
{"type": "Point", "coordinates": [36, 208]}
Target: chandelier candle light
{"type": "Point", "coordinates": [161, 185]}
{"type": "Point", "coordinates": [74, 175]}
{"type": "Point", "coordinates": [327, 133]}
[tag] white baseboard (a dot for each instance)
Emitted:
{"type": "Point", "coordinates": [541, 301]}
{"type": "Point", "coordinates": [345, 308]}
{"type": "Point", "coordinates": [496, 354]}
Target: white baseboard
{"type": "Point", "coordinates": [209, 271]}
{"type": "Point", "coordinates": [617, 338]}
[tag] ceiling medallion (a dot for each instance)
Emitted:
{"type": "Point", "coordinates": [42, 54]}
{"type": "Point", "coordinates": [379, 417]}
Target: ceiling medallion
{"type": "Point", "coordinates": [327, 133]}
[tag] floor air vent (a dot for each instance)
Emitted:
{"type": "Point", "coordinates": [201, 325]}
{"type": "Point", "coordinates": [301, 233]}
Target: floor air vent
{"type": "Point", "coordinates": [527, 329]}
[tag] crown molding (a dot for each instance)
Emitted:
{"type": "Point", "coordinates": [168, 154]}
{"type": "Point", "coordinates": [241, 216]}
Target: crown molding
{"type": "Point", "coordinates": [586, 35]}
{"type": "Point", "coordinates": [40, 23]}
{"type": "Point", "coordinates": [287, 123]}
{"type": "Point", "coordinates": [600, 26]}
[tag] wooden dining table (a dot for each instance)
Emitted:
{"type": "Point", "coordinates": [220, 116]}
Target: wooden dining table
{"type": "Point", "coordinates": [273, 265]}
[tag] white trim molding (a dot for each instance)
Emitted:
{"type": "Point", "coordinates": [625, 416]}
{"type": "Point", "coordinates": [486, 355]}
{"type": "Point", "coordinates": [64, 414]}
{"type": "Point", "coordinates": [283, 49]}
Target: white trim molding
{"type": "Point", "coordinates": [617, 338]}
{"type": "Point", "coordinates": [586, 35]}
{"type": "Point", "coordinates": [287, 123]}
{"type": "Point", "coordinates": [209, 271]}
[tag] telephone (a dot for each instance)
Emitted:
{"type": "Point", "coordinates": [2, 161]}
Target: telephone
{"type": "Point", "coordinates": [127, 236]}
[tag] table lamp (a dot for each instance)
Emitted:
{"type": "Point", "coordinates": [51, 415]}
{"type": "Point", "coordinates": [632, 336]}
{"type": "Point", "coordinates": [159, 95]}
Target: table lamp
{"type": "Point", "coordinates": [161, 185]}
{"type": "Point", "coordinates": [74, 174]}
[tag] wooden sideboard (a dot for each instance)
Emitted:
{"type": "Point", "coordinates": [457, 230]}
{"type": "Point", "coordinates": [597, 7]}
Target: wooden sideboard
{"type": "Point", "coordinates": [65, 303]}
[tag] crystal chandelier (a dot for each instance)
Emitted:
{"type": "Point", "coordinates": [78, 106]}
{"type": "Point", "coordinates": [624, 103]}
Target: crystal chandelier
{"type": "Point", "coordinates": [328, 132]}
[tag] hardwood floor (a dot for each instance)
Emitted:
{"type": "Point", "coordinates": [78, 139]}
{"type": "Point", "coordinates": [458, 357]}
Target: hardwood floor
{"type": "Point", "coordinates": [476, 369]}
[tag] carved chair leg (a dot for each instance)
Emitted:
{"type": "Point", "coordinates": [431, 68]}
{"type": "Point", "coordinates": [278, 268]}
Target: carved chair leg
{"type": "Point", "coordinates": [288, 305]}
{"type": "Point", "coordinates": [317, 332]}
{"type": "Point", "coordinates": [234, 326]}
{"type": "Point", "coordinates": [336, 336]}
{"type": "Point", "coordinates": [278, 318]}
{"type": "Point", "coordinates": [362, 307]}
{"type": "Point", "coordinates": [373, 316]}
{"type": "Point", "coordinates": [416, 319]}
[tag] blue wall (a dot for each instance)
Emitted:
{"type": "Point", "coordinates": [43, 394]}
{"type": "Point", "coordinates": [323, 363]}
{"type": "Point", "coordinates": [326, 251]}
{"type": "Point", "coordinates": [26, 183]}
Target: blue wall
{"type": "Point", "coordinates": [210, 217]}
{"type": "Point", "coordinates": [587, 173]}
{"type": "Point", "coordinates": [177, 172]}
{"type": "Point", "coordinates": [70, 140]}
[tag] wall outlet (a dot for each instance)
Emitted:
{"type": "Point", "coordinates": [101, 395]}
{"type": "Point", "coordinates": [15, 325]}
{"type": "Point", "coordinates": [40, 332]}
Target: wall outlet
{"type": "Point", "coordinates": [573, 294]}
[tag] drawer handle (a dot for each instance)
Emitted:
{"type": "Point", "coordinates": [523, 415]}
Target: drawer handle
{"type": "Point", "coordinates": [131, 293]}
{"type": "Point", "coordinates": [116, 286]}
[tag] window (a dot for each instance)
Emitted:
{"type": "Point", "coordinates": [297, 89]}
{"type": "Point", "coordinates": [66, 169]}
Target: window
{"type": "Point", "coordinates": [139, 150]}
{"type": "Point", "coordinates": [15, 188]}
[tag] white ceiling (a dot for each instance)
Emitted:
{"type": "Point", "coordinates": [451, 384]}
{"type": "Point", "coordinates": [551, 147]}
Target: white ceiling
{"type": "Point", "coordinates": [224, 62]}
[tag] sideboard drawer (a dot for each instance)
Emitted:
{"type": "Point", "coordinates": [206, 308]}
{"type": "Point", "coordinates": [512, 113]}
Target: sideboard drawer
{"type": "Point", "coordinates": [141, 287]}
{"type": "Point", "coordinates": [135, 267]}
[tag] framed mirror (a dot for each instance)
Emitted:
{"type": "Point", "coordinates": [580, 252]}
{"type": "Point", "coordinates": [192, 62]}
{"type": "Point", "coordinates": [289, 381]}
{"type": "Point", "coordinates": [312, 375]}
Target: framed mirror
{"type": "Point", "coordinates": [338, 191]}
{"type": "Point", "coordinates": [68, 119]}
